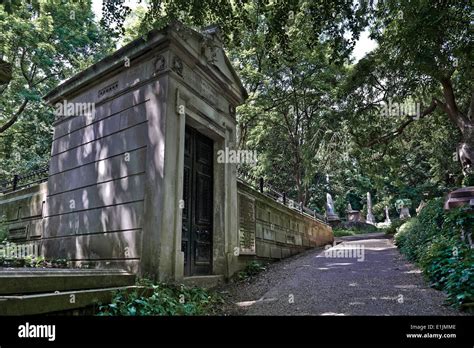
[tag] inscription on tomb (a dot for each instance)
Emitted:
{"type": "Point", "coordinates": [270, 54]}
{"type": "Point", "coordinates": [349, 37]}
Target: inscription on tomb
{"type": "Point", "coordinates": [247, 226]}
{"type": "Point", "coordinates": [208, 92]}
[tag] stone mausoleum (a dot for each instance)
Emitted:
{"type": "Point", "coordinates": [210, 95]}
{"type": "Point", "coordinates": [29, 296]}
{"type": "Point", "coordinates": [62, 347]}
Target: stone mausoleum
{"type": "Point", "coordinates": [134, 183]}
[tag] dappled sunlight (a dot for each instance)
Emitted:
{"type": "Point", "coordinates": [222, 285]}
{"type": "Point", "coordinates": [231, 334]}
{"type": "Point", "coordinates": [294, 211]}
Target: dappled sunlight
{"type": "Point", "coordinates": [408, 286]}
{"type": "Point", "coordinates": [340, 264]}
{"type": "Point", "coordinates": [332, 314]}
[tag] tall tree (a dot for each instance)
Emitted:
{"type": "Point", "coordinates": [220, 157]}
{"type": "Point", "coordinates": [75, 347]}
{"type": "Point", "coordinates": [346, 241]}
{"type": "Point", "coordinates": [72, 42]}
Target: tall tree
{"type": "Point", "coordinates": [44, 41]}
{"type": "Point", "coordinates": [425, 55]}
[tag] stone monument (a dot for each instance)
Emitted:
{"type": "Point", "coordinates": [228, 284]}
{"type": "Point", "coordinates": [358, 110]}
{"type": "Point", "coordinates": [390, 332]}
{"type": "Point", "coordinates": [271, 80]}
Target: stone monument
{"type": "Point", "coordinates": [331, 215]}
{"type": "Point", "coordinates": [370, 216]}
{"type": "Point", "coordinates": [352, 215]}
{"type": "Point", "coordinates": [420, 207]}
{"type": "Point", "coordinates": [387, 217]}
{"type": "Point", "coordinates": [460, 197]}
{"type": "Point", "coordinates": [404, 213]}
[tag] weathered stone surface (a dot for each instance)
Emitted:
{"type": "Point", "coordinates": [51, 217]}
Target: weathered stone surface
{"type": "Point", "coordinates": [37, 280]}
{"type": "Point", "coordinates": [370, 216]}
{"type": "Point", "coordinates": [127, 140]}
{"type": "Point", "coordinates": [97, 172]}
{"type": "Point", "coordinates": [114, 218]}
{"type": "Point", "coordinates": [460, 197]}
{"type": "Point", "coordinates": [55, 302]}
{"type": "Point", "coordinates": [104, 246]}
{"type": "Point", "coordinates": [101, 128]}
{"type": "Point", "coordinates": [276, 241]}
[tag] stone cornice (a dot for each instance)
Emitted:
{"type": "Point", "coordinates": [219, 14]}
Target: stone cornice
{"type": "Point", "coordinates": [174, 32]}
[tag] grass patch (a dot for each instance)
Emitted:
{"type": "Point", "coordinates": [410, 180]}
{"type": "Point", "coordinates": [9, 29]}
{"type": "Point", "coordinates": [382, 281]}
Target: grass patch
{"type": "Point", "coordinates": [342, 232]}
{"type": "Point", "coordinates": [352, 231]}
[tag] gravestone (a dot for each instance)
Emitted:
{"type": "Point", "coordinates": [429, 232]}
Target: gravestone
{"type": "Point", "coordinates": [370, 216]}
{"type": "Point", "coordinates": [387, 217]}
{"type": "Point", "coordinates": [460, 197]}
{"type": "Point", "coordinates": [420, 207]}
{"type": "Point", "coordinates": [331, 215]}
{"type": "Point", "coordinates": [352, 215]}
{"type": "Point", "coordinates": [404, 213]}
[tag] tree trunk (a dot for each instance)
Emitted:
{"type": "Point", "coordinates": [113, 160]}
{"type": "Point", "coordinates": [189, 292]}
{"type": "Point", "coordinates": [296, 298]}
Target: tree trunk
{"type": "Point", "coordinates": [466, 149]}
{"type": "Point", "coordinates": [464, 123]}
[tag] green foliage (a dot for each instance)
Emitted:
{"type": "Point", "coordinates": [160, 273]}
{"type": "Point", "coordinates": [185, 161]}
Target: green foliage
{"type": "Point", "coordinates": [162, 299]}
{"type": "Point", "coordinates": [31, 261]}
{"type": "Point", "coordinates": [353, 228]}
{"type": "Point", "coordinates": [402, 203]}
{"type": "Point", "coordinates": [434, 241]}
{"type": "Point", "coordinates": [468, 180]}
{"type": "Point", "coordinates": [3, 233]}
{"type": "Point", "coordinates": [251, 270]}
{"type": "Point", "coordinates": [394, 226]}
{"type": "Point", "coordinates": [44, 44]}
{"type": "Point", "coordinates": [342, 232]}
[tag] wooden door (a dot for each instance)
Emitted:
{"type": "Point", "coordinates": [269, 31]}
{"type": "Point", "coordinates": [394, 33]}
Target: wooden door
{"type": "Point", "coordinates": [198, 207]}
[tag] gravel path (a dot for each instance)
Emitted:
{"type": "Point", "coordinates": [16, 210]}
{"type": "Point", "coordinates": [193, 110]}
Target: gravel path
{"type": "Point", "coordinates": [372, 279]}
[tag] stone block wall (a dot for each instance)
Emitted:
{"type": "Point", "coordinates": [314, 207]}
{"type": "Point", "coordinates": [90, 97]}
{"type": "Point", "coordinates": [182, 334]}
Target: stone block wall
{"type": "Point", "coordinates": [22, 211]}
{"type": "Point", "coordinates": [271, 230]}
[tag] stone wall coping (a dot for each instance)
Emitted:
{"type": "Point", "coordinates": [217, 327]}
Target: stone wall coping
{"type": "Point", "coordinates": [24, 192]}
{"type": "Point", "coordinates": [275, 204]}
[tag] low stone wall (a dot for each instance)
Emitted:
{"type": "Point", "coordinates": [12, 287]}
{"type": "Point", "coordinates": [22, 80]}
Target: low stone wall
{"type": "Point", "coordinates": [271, 230]}
{"type": "Point", "coordinates": [22, 211]}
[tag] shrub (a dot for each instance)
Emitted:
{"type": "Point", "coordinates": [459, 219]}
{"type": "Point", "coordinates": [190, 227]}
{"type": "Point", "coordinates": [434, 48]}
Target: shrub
{"type": "Point", "coordinates": [162, 299]}
{"type": "Point", "coordinates": [393, 228]}
{"type": "Point", "coordinates": [342, 232]}
{"type": "Point", "coordinates": [252, 269]}
{"type": "Point", "coordinates": [3, 233]}
{"type": "Point", "coordinates": [434, 241]}
{"type": "Point", "coordinates": [468, 180]}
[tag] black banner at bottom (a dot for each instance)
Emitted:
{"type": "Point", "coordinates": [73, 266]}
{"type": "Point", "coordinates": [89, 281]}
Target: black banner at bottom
{"type": "Point", "coordinates": [416, 331]}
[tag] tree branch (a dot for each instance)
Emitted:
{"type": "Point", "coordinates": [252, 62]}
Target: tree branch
{"type": "Point", "coordinates": [451, 108]}
{"type": "Point", "coordinates": [14, 117]}
{"type": "Point", "coordinates": [388, 136]}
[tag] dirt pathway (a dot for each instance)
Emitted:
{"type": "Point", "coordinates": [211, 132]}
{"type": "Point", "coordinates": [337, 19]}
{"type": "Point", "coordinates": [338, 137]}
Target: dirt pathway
{"type": "Point", "coordinates": [364, 275]}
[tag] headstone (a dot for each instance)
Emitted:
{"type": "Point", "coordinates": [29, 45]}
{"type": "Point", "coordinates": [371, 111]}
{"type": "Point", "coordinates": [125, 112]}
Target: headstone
{"type": "Point", "coordinates": [352, 215]}
{"type": "Point", "coordinates": [420, 207]}
{"type": "Point", "coordinates": [404, 213]}
{"type": "Point", "coordinates": [459, 198]}
{"type": "Point", "coordinates": [331, 215]}
{"type": "Point", "coordinates": [370, 216]}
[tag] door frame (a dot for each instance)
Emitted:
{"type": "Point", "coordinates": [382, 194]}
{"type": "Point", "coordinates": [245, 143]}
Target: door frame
{"type": "Point", "coordinates": [225, 219]}
{"type": "Point", "coordinates": [192, 268]}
